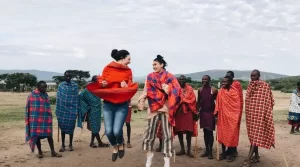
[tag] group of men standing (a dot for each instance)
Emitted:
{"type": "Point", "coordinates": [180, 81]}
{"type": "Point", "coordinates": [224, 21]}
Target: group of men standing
{"type": "Point", "coordinates": [224, 108]}
{"type": "Point", "coordinates": [70, 106]}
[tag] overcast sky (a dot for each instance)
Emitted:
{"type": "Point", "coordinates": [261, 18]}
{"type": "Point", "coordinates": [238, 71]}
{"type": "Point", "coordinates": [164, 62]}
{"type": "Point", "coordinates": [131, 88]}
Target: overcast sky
{"type": "Point", "coordinates": [192, 35]}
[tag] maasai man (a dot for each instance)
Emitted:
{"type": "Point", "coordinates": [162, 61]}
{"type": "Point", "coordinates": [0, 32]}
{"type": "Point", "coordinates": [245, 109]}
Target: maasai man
{"type": "Point", "coordinates": [67, 109]}
{"type": "Point", "coordinates": [259, 117]}
{"type": "Point", "coordinates": [38, 119]}
{"type": "Point", "coordinates": [116, 89]}
{"type": "Point", "coordinates": [128, 126]}
{"type": "Point", "coordinates": [294, 111]}
{"type": "Point", "coordinates": [90, 108]}
{"type": "Point", "coordinates": [164, 96]}
{"type": "Point", "coordinates": [236, 84]}
{"type": "Point", "coordinates": [228, 113]}
{"type": "Point", "coordinates": [206, 105]}
{"type": "Point", "coordinates": [185, 118]}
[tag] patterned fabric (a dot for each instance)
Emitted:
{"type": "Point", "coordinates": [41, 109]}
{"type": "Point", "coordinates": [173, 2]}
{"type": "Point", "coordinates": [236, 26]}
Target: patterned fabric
{"type": "Point", "coordinates": [228, 108]}
{"type": "Point", "coordinates": [38, 118]}
{"type": "Point", "coordinates": [188, 104]}
{"type": "Point", "coordinates": [91, 105]}
{"type": "Point", "coordinates": [67, 106]}
{"type": "Point", "coordinates": [114, 73]}
{"type": "Point", "coordinates": [128, 118]}
{"type": "Point", "coordinates": [259, 117]}
{"type": "Point", "coordinates": [156, 96]}
{"type": "Point", "coordinates": [294, 108]}
{"type": "Point", "coordinates": [159, 130]}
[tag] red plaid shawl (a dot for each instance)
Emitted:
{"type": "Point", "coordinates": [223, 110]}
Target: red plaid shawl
{"type": "Point", "coordinates": [237, 85]}
{"type": "Point", "coordinates": [38, 118]}
{"type": "Point", "coordinates": [156, 96]}
{"type": "Point", "coordinates": [259, 116]}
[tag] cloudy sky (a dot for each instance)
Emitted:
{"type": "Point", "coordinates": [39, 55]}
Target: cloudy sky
{"type": "Point", "coordinates": [192, 35]}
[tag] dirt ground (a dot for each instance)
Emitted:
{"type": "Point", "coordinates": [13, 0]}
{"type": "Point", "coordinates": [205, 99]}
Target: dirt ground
{"type": "Point", "coordinates": [14, 152]}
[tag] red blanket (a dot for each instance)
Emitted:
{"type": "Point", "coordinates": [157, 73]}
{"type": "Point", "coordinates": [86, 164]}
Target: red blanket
{"type": "Point", "coordinates": [228, 108]}
{"type": "Point", "coordinates": [114, 73]}
{"type": "Point", "coordinates": [259, 117]}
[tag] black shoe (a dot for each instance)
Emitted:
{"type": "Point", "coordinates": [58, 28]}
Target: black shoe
{"type": "Point", "coordinates": [122, 152]}
{"type": "Point", "coordinates": [114, 157]}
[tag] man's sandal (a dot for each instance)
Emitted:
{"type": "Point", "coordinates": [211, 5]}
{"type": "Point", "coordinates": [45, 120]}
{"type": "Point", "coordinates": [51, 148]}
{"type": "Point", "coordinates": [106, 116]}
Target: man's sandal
{"type": "Point", "coordinates": [56, 155]}
{"type": "Point", "coordinates": [255, 159]}
{"type": "Point", "coordinates": [246, 163]}
{"type": "Point", "coordinates": [103, 145]}
{"type": "Point", "coordinates": [40, 155]}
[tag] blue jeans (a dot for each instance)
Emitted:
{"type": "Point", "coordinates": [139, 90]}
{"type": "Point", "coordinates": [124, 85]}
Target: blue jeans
{"type": "Point", "coordinates": [114, 118]}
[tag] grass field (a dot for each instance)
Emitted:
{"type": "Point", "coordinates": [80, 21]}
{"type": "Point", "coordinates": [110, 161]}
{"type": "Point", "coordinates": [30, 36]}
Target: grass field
{"type": "Point", "coordinates": [14, 152]}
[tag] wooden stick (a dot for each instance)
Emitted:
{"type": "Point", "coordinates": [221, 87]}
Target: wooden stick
{"type": "Point", "coordinates": [217, 143]}
{"type": "Point", "coordinates": [102, 136]}
{"type": "Point", "coordinates": [196, 147]}
{"type": "Point", "coordinates": [287, 165]}
{"type": "Point", "coordinates": [58, 134]}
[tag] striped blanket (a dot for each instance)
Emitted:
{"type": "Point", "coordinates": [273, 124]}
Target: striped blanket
{"type": "Point", "coordinates": [91, 105]}
{"type": "Point", "coordinates": [38, 118]}
{"type": "Point", "coordinates": [67, 106]}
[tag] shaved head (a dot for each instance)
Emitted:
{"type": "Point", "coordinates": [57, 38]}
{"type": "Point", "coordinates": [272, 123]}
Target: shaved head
{"type": "Point", "coordinates": [182, 81]}
{"type": "Point", "coordinates": [255, 75]}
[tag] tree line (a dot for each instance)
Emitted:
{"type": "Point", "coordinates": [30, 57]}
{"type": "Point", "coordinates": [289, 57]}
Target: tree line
{"type": "Point", "coordinates": [21, 81]}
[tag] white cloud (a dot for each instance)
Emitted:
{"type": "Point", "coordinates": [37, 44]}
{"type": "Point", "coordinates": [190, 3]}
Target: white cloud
{"type": "Point", "coordinates": [206, 34]}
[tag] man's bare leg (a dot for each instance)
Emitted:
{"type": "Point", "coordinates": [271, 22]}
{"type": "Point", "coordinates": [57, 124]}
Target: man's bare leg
{"type": "Point", "coordinates": [51, 145]}
{"type": "Point", "coordinates": [39, 147]}
{"type": "Point", "coordinates": [63, 146]}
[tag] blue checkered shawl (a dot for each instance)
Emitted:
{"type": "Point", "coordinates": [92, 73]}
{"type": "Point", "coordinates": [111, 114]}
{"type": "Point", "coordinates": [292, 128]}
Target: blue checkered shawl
{"type": "Point", "coordinates": [91, 105]}
{"type": "Point", "coordinates": [67, 106]}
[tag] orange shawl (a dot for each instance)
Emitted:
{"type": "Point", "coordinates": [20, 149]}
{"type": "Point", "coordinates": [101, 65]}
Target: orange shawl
{"type": "Point", "coordinates": [228, 108]}
{"type": "Point", "coordinates": [114, 73]}
{"type": "Point", "coordinates": [237, 85]}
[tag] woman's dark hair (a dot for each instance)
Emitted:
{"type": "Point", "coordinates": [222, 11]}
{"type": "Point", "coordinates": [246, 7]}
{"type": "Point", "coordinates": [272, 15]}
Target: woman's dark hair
{"type": "Point", "coordinates": [119, 54]}
{"type": "Point", "coordinates": [161, 60]}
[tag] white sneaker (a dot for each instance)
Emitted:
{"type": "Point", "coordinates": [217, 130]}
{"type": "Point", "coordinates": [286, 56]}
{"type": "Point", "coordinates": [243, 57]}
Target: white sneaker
{"type": "Point", "coordinates": [149, 159]}
{"type": "Point", "coordinates": [167, 162]}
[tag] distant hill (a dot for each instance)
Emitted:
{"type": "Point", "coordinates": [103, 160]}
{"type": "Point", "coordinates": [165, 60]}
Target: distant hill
{"type": "Point", "coordinates": [243, 75]}
{"type": "Point", "coordinates": [41, 75]}
{"type": "Point", "coordinates": [215, 74]}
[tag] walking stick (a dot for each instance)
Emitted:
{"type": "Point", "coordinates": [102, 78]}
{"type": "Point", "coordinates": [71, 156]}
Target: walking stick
{"type": "Point", "coordinates": [58, 134]}
{"type": "Point", "coordinates": [282, 154]}
{"type": "Point", "coordinates": [79, 138]}
{"type": "Point", "coordinates": [196, 147]}
{"type": "Point", "coordinates": [102, 136]}
{"type": "Point", "coordinates": [217, 143]}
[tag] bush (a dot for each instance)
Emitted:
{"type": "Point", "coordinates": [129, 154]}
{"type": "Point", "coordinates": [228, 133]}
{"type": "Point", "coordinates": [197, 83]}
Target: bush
{"type": "Point", "coordinates": [52, 100]}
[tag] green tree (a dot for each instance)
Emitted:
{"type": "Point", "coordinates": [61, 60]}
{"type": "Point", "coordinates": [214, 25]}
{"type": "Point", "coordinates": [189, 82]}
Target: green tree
{"type": "Point", "coordinates": [79, 76]}
{"type": "Point", "coordinates": [58, 79]}
{"type": "Point", "coordinates": [15, 80]}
